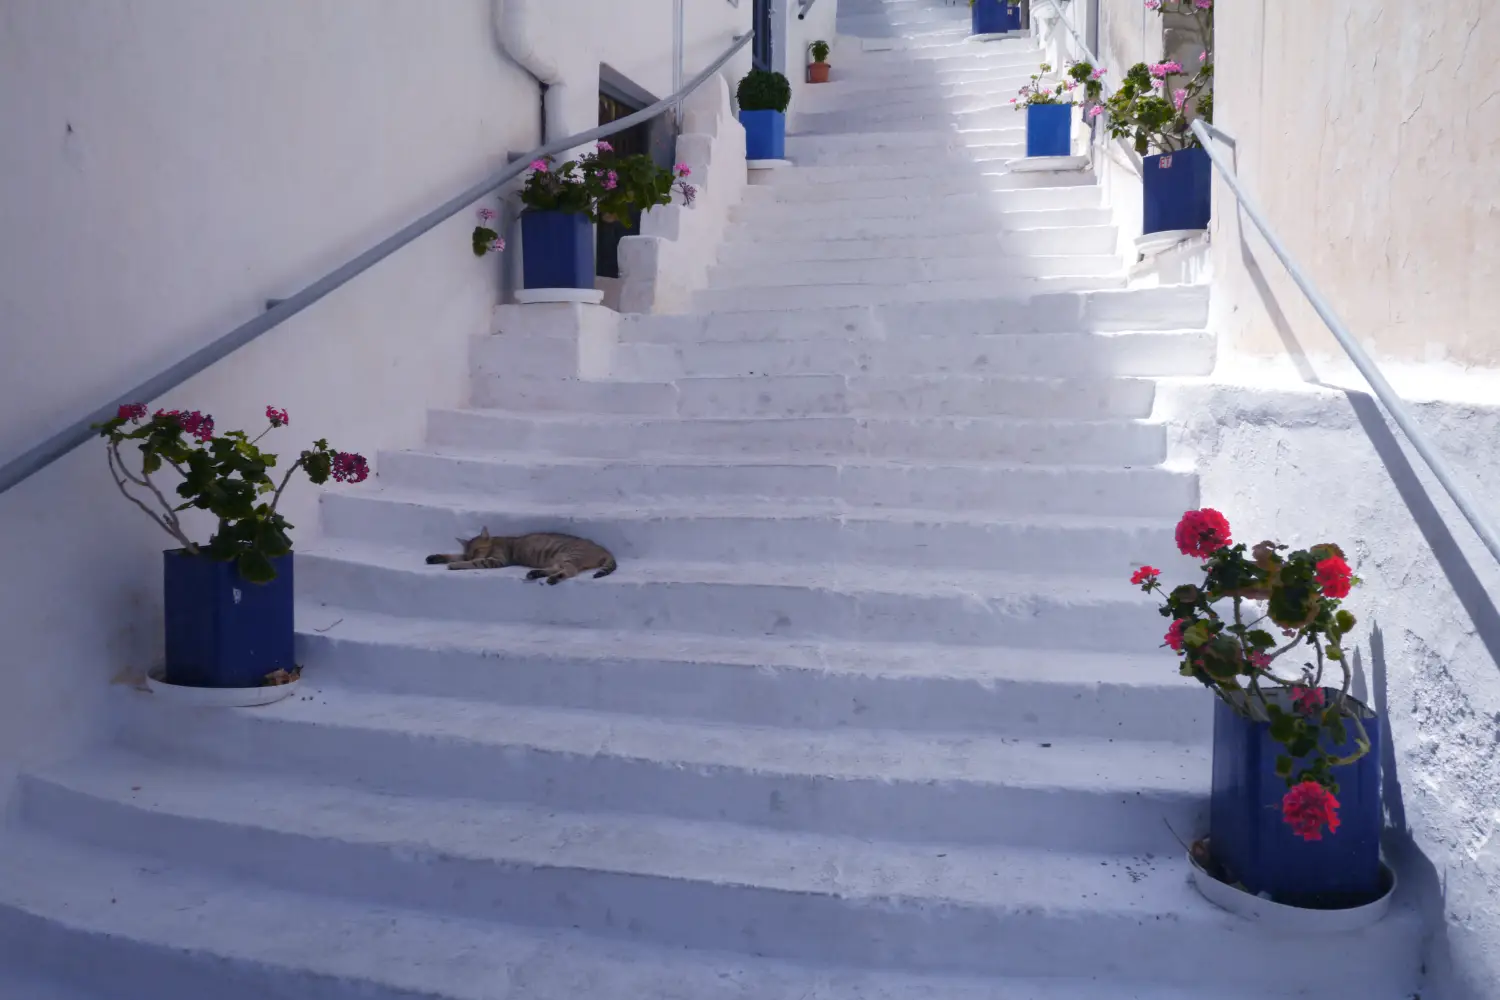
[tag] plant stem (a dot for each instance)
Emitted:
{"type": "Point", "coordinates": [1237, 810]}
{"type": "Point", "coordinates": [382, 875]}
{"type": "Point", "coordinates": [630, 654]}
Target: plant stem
{"type": "Point", "coordinates": [276, 497]}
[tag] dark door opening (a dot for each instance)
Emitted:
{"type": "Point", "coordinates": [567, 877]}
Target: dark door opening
{"type": "Point", "coordinates": [761, 52]}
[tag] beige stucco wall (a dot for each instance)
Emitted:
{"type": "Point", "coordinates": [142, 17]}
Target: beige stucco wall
{"type": "Point", "coordinates": [1370, 133]}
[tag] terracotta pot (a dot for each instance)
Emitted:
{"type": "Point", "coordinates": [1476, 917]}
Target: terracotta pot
{"type": "Point", "coordinates": [817, 72]}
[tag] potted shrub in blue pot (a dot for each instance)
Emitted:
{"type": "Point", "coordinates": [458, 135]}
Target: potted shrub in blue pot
{"type": "Point", "coordinates": [1295, 809]}
{"type": "Point", "coordinates": [994, 17]}
{"type": "Point", "coordinates": [228, 603]}
{"type": "Point", "coordinates": [564, 202]}
{"type": "Point", "coordinates": [763, 97]}
{"type": "Point", "coordinates": [1153, 109]}
{"type": "Point", "coordinates": [1049, 107]}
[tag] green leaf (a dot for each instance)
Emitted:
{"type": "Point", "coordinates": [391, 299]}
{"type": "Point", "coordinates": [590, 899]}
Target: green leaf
{"type": "Point", "coordinates": [1284, 728]}
{"type": "Point", "coordinates": [254, 567]}
{"type": "Point", "coordinates": [1284, 765]}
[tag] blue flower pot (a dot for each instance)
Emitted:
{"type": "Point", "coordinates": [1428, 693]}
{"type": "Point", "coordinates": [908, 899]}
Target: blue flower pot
{"type": "Point", "coordinates": [1049, 129]}
{"type": "Point", "coordinates": [1250, 839]}
{"type": "Point", "coordinates": [222, 632]}
{"type": "Point", "coordinates": [557, 250]}
{"type": "Point", "coordinates": [765, 135]}
{"type": "Point", "coordinates": [1177, 187]}
{"type": "Point", "coordinates": [993, 17]}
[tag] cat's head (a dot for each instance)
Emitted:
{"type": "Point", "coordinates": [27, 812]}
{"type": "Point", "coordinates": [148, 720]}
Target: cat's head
{"type": "Point", "coordinates": [484, 546]}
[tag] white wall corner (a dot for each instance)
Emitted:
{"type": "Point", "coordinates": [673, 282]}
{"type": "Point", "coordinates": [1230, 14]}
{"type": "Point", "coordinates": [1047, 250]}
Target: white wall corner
{"type": "Point", "coordinates": [662, 268]}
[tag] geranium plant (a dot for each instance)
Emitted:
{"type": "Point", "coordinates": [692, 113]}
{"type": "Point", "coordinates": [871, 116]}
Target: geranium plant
{"type": "Point", "coordinates": [598, 184]}
{"type": "Point", "coordinates": [1255, 607]}
{"type": "Point", "coordinates": [1156, 102]}
{"type": "Point", "coordinates": [1081, 79]}
{"type": "Point", "coordinates": [225, 474]}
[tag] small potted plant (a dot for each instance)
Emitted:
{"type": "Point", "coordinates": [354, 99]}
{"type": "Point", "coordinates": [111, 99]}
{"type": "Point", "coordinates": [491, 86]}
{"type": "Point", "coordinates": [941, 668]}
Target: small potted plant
{"type": "Point", "coordinates": [1295, 809]}
{"type": "Point", "coordinates": [994, 17]}
{"type": "Point", "coordinates": [1049, 107]}
{"type": "Point", "coordinates": [228, 603]}
{"type": "Point", "coordinates": [563, 202]}
{"type": "Point", "coordinates": [817, 70]}
{"type": "Point", "coordinates": [1153, 109]}
{"type": "Point", "coordinates": [763, 97]}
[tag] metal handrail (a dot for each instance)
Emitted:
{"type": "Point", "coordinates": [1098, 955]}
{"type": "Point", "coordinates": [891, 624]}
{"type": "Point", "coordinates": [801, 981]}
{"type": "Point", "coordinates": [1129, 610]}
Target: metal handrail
{"type": "Point", "coordinates": [1393, 403]}
{"type": "Point", "coordinates": [807, 5]}
{"type": "Point", "coordinates": [30, 462]}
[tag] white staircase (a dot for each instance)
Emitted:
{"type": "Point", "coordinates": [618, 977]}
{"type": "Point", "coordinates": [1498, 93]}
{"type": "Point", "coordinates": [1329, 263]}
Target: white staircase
{"type": "Point", "coordinates": [868, 712]}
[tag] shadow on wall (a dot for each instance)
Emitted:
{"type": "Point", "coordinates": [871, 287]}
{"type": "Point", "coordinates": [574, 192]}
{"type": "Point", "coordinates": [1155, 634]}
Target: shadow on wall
{"type": "Point", "coordinates": [1423, 884]}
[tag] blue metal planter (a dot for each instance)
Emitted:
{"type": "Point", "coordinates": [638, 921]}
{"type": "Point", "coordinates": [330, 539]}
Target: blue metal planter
{"type": "Point", "coordinates": [222, 632]}
{"type": "Point", "coordinates": [765, 135]}
{"type": "Point", "coordinates": [1177, 187]}
{"type": "Point", "coordinates": [993, 17]}
{"type": "Point", "coordinates": [1049, 129]}
{"type": "Point", "coordinates": [557, 250]}
{"type": "Point", "coordinates": [1250, 839]}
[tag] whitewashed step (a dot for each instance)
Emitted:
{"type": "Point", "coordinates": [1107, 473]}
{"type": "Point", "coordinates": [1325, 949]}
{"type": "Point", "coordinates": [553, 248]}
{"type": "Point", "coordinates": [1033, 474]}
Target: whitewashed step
{"type": "Point", "coordinates": [743, 249]}
{"type": "Point", "coordinates": [824, 395]}
{"type": "Point", "coordinates": [1057, 355]}
{"type": "Point", "coordinates": [750, 599]}
{"type": "Point", "coordinates": [994, 487]}
{"type": "Point", "coordinates": [995, 113]}
{"type": "Point", "coordinates": [1167, 308]}
{"type": "Point", "coordinates": [1076, 442]}
{"type": "Point", "coordinates": [955, 46]}
{"type": "Point", "coordinates": [771, 298]}
{"type": "Point", "coordinates": [902, 144]}
{"type": "Point", "coordinates": [759, 682]}
{"type": "Point", "coordinates": [764, 206]}
{"type": "Point", "coordinates": [824, 185]}
{"type": "Point", "coordinates": [849, 89]}
{"type": "Point", "coordinates": [946, 168]}
{"type": "Point", "coordinates": [1068, 794]}
{"type": "Point", "coordinates": [922, 160]}
{"type": "Point", "coordinates": [940, 220]}
{"type": "Point", "coordinates": [798, 897]}
{"type": "Point", "coordinates": [794, 534]}
{"type": "Point", "coordinates": [973, 64]}
{"type": "Point", "coordinates": [135, 928]}
{"type": "Point", "coordinates": [789, 273]}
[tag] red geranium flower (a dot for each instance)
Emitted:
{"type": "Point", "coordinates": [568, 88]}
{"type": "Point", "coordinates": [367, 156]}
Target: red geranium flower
{"type": "Point", "coordinates": [1145, 573]}
{"type": "Point", "coordinates": [277, 417]}
{"type": "Point", "coordinates": [1174, 634]}
{"type": "Point", "coordinates": [1201, 533]}
{"type": "Point", "coordinates": [1334, 577]}
{"type": "Point", "coordinates": [1308, 807]}
{"type": "Point", "coordinates": [1307, 700]}
{"type": "Point", "coordinates": [131, 411]}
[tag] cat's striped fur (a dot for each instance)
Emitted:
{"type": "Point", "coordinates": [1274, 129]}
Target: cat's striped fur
{"type": "Point", "coordinates": [547, 554]}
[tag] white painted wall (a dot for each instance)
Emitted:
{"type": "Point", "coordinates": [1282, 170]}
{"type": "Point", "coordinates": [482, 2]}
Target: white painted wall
{"type": "Point", "coordinates": [1369, 131]}
{"type": "Point", "coordinates": [1303, 464]}
{"type": "Point", "coordinates": [167, 166]}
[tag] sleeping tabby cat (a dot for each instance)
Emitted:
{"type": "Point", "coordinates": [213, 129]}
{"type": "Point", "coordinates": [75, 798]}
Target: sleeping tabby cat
{"type": "Point", "coordinates": [557, 557]}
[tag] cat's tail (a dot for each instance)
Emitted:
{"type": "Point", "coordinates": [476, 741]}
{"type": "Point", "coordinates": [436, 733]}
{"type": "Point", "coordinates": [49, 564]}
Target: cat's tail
{"type": "Point", "coordinates": [609, 568]}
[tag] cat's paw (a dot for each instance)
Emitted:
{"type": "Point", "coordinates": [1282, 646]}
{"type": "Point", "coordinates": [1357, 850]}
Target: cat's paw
{"type": "Point", "coordinates": [536, 574]}
{"type": "Point", "coordinates": [436, 559]}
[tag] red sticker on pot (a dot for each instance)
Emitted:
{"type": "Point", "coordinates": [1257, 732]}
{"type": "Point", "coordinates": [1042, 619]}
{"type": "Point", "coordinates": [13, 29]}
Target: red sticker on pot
{"type": "Point", "coordinates": [1164, 163]}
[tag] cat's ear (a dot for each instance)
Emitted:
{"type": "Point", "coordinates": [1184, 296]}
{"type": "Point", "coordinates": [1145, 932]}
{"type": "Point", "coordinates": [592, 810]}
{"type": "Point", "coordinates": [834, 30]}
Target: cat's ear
{"type": "Point", "coordinates": [463, 541]}
{"type": "Point", "coordinates": [484, 532]}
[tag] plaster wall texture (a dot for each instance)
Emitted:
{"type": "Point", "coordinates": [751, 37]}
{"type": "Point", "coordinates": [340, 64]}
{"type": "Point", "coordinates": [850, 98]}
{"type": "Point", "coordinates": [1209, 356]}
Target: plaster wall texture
{"type": "Point", "coordinates": [1369, 133]}
{"type": "Point", "coordinates": [1308, 463]}
{"type": "Point", "coordinates": [170, 165]}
